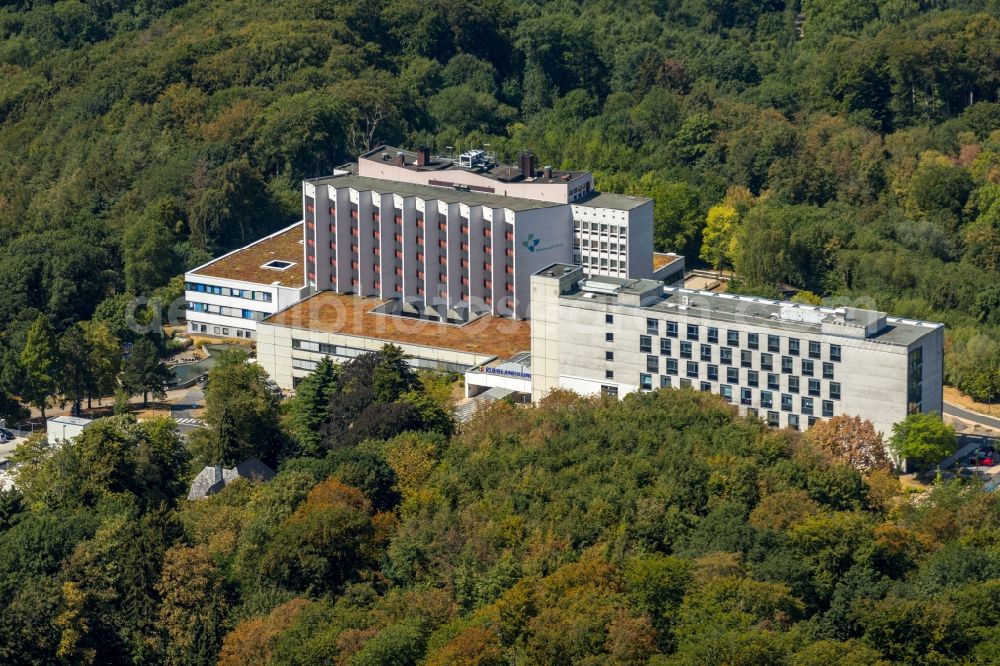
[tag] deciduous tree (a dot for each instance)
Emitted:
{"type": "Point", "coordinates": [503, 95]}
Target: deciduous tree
{"type": "Point", "coordinates": [923, 438]}
{"type": "Point", "coordinates": [851, 440]}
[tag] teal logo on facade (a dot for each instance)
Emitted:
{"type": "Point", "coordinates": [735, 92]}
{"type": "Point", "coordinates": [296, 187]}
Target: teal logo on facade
{"type": "Point", "coordinates": [531, 242]}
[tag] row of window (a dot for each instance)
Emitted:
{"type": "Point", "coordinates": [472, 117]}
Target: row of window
{"type": "Point", "coordinates": [807, 367]}
{"type": "Point", "coordinates": [263, 296]}
{"type": "Point", "coordinates": [220, 330]}
{"type": "Point", "coordinates": [773, 343]}
{"type": "Point", "coordinates": [807, 405]}
{"type": "Point", "coordinates": [603, 246]}
{"type": "Point", "coordinates": [692, 369]}
{"type": "Point", "coordinates": [239, 313]}
{"type": "Point", "coordinates": [599, 227]}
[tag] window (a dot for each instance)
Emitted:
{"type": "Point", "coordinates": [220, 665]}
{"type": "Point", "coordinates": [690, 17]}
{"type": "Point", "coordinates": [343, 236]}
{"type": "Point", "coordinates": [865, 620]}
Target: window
{"type": "Point", "coordinates": [665, 346]}
{"type": "Point", "coordinates": [827, 370]}
{"type": "Point", "coordinates": [773, 344]}
{"type": "Point", "coordinates": [713, 335]}
{"type": "Point", "coordinates": [827, 408]}
{"type": "Point", "coordinates": [610, 391]}
{"type": "Point", "coordinates": [807, 406]}
{"type": "Point", "coordinates": [753, 341]}
{"type": "Point", "coordinates": [746, 396]}
{"type": "Point", "coordinates": [645, 344]}
{"type": "Point", "coordinates": [807, 367]}
{"type": "Point", "coordinates": [766, 362]}
{"type": "Point", "coordinates": [834, 390]}
{"type": "Point", "coordinates": [726, 392]}
{"type": "Point", "coordinates": [692, 369]}
{"type": "Point", "coordinates": [609, 319]}
{"type": "Point", "coordinates": [835, 353]}
{"type": "Point", "coordinates": [772, 419]}
{"type": "Point", "coordinates": [766, 399]}
{"type": "Point", "coordinates": [646, 382]}
{"type": "Point", "coordinates": [685, 383]}
{"type": "Point", "coordinates": [278, 265]}
{"type": "Point", "coordinates": [814, 387]}
{"type": "Point", "coordinates": [772, 382]}
{"type": "Point", "coordinates": [793, 421]}
{"type": "Point", "coordinates": [786, 365]}
{"type": "Point", "coordinates": [609, 337]}
{"type": "Point", "coordinates": [793, 384]}
{"type": "Point", "coordinates": [671, 366]}
{"type": "Point", "coordinates": [609, 374]}
{"type": "Point", "coordinates": [725, 356]}
{"type": "Point", "coordinates": [692, 332]}
{"type": "Point", "coordinates": [915, 380]}
{"type": "Point", "coordinates": [713, 373]}
{"type": "Point", "coordinates": [746, 358]}
{"type": "Point", "coordinates": [652, 363]}
{"type": "Point", "coordinates": [706, 352]}
{"type": "Point", "coordinates": [705, 386]}
{"type": "Point", "coordinates": [685, 349]}
{"type": "Point", "coordinates": [793, 346]}
{"type": "Point", "coordinates": [664, 381]}
{"type": "Point", "coordinates": [786, 402]}
{"type": "Point", "coordinates": [609, 356]}
{"type": "Point", "coordinates": [652, 326]}
{"type": "Point", "coordinates": [752, 377]}
{"type": "Point", "coordinates": [814, 350]}
{"type": "Point", "coordinates": [672, 329]}
{"type": "Point", "coordinates": [811, 420]}
{"type": "Point", "coordinates": [733, 338]}
{"type": "Point", "coordinates": [732, 375]}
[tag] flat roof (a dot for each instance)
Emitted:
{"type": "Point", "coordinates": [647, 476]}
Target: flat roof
{"type": "Point", "coordinates": [71, 420]}
{"type": "Point", "coordinates": [347, 314]}
{"type": "Point", "coordinates": [508, 173]}
{"type": "Point", "coordinates": [446, 194]}
{"type": "Point", "coordinates": [247, 263]}
{"type": "Point", "coordinates": [733, 308]}
{"type": "Point", "coordinates": [612, 201]}
{"type": "Point", "coordinates": [664, 259]}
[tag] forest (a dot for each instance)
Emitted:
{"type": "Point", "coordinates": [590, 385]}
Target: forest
{"type": "Point", "coordinates": [660, 530]}
{"type": "Point", "coordinates": [849, 149]}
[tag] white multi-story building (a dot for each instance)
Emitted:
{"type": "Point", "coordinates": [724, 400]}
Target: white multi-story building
{"type": "Point", "coordinates": [787, 363]}
{"type": "Point", "coordinates": [228, 296]}
{"type": "Point", "coordinates": [454, 239]}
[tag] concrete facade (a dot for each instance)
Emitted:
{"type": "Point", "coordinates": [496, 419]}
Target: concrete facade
{"type": "Point", "coordinates": [453, 242]}
{"type": "Point", "coordinates": [789, 364]}
{"type": "Point", "coordinates": [290, 353]}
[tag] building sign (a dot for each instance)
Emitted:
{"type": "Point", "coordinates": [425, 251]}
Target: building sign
{"type": "Point", "coordinates": [532, 244]}
{"type": "Point", "coordinates": [507, 372]}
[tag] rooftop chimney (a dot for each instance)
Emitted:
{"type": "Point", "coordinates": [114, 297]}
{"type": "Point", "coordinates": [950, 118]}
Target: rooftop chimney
{"type": "Point", "coordinates": [547, 172]}
{"type": "Point", "coordinates": [423, 156]}
{"type": "Point", "coordinates": [400, 159]}
{"type": "Point", "coordinates": [526, 162]}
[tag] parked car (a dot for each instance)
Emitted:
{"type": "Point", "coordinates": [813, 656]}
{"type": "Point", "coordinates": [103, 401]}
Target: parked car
{"type": "Point", "coordinates": [982, 457]}
{"type": "Point", "coordinates": [7, 435]}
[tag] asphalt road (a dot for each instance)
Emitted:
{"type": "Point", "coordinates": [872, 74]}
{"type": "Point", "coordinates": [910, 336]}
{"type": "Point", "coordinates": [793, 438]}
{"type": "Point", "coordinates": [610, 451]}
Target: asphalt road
{"type": "Point", "coordinates": [180, 411]}
{"type": "Point", "coordinates": [975, 417]}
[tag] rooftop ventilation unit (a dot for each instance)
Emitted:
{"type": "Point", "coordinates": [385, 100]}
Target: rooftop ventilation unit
{"type": "Point", "coordinates": [472, 159]}
{"type": "Point", "coordinates": [596, 287]}
{"type": "Point", "coordinates": [791, 313]}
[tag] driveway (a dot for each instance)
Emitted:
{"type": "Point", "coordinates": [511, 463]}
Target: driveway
{"type": "Point", "coordinates": [968, 415]}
